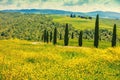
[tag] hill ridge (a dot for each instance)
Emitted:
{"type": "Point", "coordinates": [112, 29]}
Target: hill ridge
{"type": "Point", "coordinates": [103, 14]}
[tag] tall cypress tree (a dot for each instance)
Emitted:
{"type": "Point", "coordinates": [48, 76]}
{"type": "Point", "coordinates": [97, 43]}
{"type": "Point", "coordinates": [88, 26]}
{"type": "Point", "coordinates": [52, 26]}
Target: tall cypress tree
{"type": "Point", "coordinates": [55, 36]}
{"type": "Point", "coordinates": [60, 36]}
{"type": "Point", "coordinates": [96, 35]}
{"type": "Point", "coordinates": [42, 37]}
{"type": "Point", "coordinates": [66, 38]}
{"type": "Point", "coordinates": [47, 37]}
{"type": "Point", "coordinates": [80, 38]}
{"type": "Point", "coordinates": [51, 36]}
{"type": "Point", "coordinates": [72, 36]}
{"type": "Point", "coordinates": [45, 33]}
{"type": "Point", "coordinates": [114, 36]}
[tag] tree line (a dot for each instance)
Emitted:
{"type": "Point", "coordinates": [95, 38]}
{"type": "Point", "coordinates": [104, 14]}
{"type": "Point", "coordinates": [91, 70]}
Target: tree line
{"type": "Point", "coordinates": [83, 17]}
{"type": "Point", "coordinates": [32, 27]}
{"type": "Point", "coordinates": [80, 38]}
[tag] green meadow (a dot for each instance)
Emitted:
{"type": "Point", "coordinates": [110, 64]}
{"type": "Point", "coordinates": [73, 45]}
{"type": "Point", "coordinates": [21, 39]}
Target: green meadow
{"type": "Point", "coordinates": [83, 24]}
{"type": "Point", "coordinates": [87, 24]}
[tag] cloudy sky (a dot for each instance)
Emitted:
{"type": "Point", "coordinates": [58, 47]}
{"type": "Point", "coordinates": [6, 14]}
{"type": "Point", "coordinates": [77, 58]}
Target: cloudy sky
{"type": "Point", "coordinates": [69, 5]}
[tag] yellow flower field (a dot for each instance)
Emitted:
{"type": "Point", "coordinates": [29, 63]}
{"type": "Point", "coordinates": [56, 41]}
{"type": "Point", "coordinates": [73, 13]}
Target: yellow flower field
{"type": "Point", "coordinates": [23, 60]}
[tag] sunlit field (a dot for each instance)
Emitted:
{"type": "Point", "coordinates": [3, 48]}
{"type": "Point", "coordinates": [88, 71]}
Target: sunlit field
{"type": "Point", "coordinates": [59, 39]}
{"type": "Point", "coordinates": [25, 56]}
{"type": "Point", "coordinates": [87, 43]}
{"type": "Point", "coordinates": [82, 24]}
{"type": "Point", "coordinates": [24, 60]}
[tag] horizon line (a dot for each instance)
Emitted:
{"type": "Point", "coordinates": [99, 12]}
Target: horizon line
{"type": "Point", "coordinates": [58, 9]}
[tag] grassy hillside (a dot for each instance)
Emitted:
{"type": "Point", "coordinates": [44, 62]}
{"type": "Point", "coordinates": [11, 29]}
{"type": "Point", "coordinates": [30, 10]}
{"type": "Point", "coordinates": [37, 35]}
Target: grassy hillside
{"type": "Point", "coordinates": [87, 43]}
{"type": "Point", "coordinates": [23, 60]}
{"type": "Point", "coordinates": [31, 27]}
{"type": "Point", "coordinates": [83, 24]}
{"type": "Point", "coordinates": [88, 25]}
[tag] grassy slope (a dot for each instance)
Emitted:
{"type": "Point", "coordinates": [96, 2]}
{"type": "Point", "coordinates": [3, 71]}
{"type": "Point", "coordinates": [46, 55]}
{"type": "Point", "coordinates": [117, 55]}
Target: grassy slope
{"type": "Point", "coordinates": [23, 60]}
{"type": "Point", "coordinates": [82, 24]}
{"type": "Point", "coordinates": [87, 43]}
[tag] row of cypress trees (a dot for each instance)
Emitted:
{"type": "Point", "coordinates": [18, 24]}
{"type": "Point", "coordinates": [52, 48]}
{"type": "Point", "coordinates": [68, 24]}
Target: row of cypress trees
{"type": "Point", "coordinates": [96, 35]}
{"type": "Point", "coordinates": [54, 37]}
{"type": "Point", "coordinates": [80, 41]}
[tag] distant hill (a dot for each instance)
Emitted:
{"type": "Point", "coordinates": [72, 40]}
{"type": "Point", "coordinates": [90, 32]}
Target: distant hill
{"type": "Point", "coordinates": [105, 14]}
{"type": "Point", "coordinates": [40, 11]}
{"type": "Point", "coordinates": [102, 14]}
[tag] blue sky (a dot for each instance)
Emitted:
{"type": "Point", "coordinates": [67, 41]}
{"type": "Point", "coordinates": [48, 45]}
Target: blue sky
{"type": "Point", "coordinates": [69, 5]}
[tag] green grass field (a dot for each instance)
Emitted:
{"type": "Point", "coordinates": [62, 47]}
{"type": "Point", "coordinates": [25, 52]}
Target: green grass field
{"type": "Point", "coordinates": [87, 43]}
{"type": "Point", "coordinates": [24, 60]}
{"type": "Point", "coordinates": [82, 24]}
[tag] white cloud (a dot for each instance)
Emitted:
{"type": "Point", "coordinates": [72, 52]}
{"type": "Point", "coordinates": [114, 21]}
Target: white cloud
{"type": "Point", "coordinates": [90, 5]}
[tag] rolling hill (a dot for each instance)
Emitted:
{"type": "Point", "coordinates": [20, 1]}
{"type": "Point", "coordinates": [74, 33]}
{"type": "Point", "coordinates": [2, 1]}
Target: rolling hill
{"type": "Point", "coordinates": [103, 14]}
{"type": "Point", "coordinates": [35, 60]}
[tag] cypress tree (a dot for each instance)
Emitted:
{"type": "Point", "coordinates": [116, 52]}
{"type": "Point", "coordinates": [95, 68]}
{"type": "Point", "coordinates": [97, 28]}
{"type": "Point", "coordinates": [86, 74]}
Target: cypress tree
{"type": "Point", "coordinates": [66, 38]}
{"type": "Point", "coordinates": [60, 36]}
{"type": "Point", "coordinates": [45, 33]}
{"type": "Point", "coordinates": [47, 37]}
{"type": "Point", "coordinates": [80, 38]}
{"type": "Point", "coordinates": [114, 36]}
{"type": "Point", "coordinates": [72, 36]}
{"type": "Point", "coordinates": [96, 35]}
{"type": "Point", "coordinates": [51, 36]}
{"type": "Point", "coordinates": [42, 37]}
{"type": "Point", "coordinates": [55, 36]}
